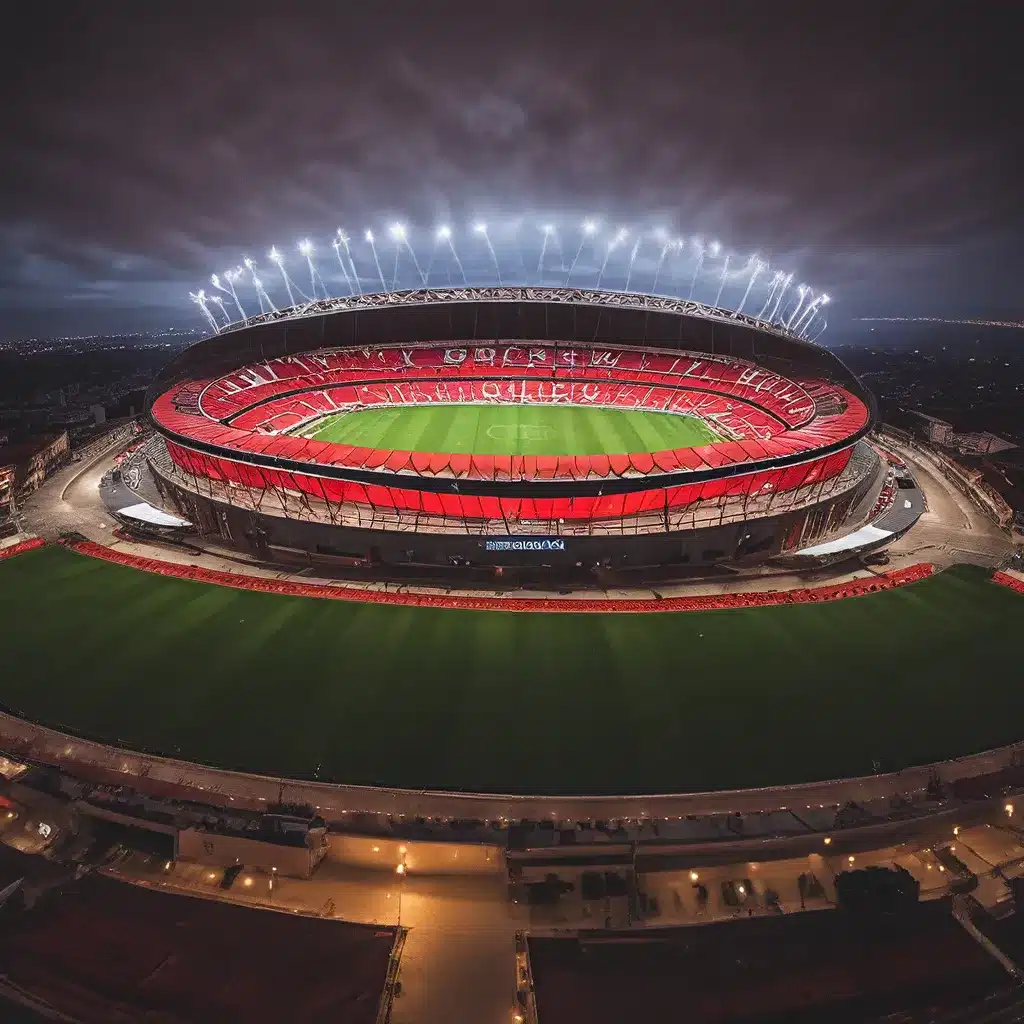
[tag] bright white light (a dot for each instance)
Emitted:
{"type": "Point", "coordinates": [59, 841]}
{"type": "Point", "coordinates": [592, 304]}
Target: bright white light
{"type": "Point", "coordinates": [214, 281]}
{"type": "Point", "coordinates": [342, 237]}
{"type": "Point", "coordinates": [589, 227]}
{"type": "Point", "coordinates": [369, 235]}
{"type": "Point", "coordinates": [621, 235]}
{"type": "Point", "coordinates": [480, 227]}
{"type": "Point", "coordinates": [249, 263]}
{"type": "Point", "coordinates": [444, 232]}
{"type": "Point", "coordinates": [306, 247]}
{"type": "Point", "coordinates": [274, 256]}
{"type": "Point", "coordinates": [825, 300]}
{"type": "Point", "coordinates": [715, 248]}
{"type": "Point", "coordinates": [200, 295]}
{"type": "Point", "coordinates": [549, 229]}
{"type": "Point", "coordinates": [398, 232]}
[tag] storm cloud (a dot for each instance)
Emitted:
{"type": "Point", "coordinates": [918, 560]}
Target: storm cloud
{"type": "Point", "coordinates": [143, 145]}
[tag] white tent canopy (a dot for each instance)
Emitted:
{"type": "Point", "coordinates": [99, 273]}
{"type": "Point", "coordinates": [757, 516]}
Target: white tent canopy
{"type": "Point", "coordinates": [145, 513]}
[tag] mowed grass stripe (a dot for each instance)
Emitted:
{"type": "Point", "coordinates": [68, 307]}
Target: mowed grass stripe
{"type": "Point", "coordinates": [515, 429]}
{"type": "Point", "coordinates": [502, 701]}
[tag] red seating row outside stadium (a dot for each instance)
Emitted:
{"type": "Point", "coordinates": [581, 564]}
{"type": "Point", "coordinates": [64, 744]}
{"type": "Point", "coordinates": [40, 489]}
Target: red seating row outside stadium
{"type": "Point", "coordinates": [349, 592]}
{"type": "Point", "coordinates": [20, 548]}
{"type": "Point", "coordinates": [1007, 580]}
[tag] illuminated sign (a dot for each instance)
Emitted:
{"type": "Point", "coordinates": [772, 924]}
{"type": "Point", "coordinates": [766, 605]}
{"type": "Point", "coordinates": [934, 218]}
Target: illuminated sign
{"type": "Point", "coordinates": [525, 544]}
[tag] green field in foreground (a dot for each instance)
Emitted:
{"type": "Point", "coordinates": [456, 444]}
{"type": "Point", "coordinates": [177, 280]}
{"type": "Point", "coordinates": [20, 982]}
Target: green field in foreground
{"type": "Point", "coordinates": [513, 430]}
{"type": "Point", "coordinates": [503, 701]}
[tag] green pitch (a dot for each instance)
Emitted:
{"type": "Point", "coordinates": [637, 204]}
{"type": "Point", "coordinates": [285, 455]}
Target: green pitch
{"type": "Point", "coordinates": [506, 701]}
{"type": "Point", "coordinates": [513, 430]}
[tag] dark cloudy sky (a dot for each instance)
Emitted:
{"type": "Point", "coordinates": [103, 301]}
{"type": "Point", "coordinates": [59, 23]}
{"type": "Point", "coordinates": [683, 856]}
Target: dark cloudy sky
{"type": "Point", "coordinates": [876, 145]}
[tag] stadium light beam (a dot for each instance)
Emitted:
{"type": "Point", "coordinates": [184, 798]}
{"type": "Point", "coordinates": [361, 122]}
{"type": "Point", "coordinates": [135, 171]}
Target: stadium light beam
{"type": "Point", "coordinates": [199, 298]}
{"type": "Point", "coordinates": [232, 277]}
{"type": "Point", "coordinates": [757, 265]}
{"type": "Point", "coordinates": [721, 281]}
{"type": "Point", "coordinates": [341, 242]}
{"type": "Point", "coordinates": [275, 257]}
{"type": "Point", "coordinates": [786, 282]}
{"type": "Point", "coordinates": [776, 280]}
{"type": "Point", "coordinates": [261, 292]}
{"type": "Point", "coordinates": [548, 230]}
{"type": "Point", "coordinates": [336, 246]}
{"type": "Point", "coordinates": [620, 236]}
{"type": "Point", "coordinates": [219, 303]}
{"type": "Point", "coordinates": [698, 244]}
{"type": "Point", "coordinates": [588, 230]}
{"type": "Point", "coordinates": [668, 245]}
{"type": "Point", "coordinates": [401, 237]}
{"type": "Point", "coordinates": [480, 227]}
{"type": "Point", "coordinates": [632, 259]}
{"type": "Point", "coordinates": [808, 314]}
{"type": "Point", "coordinates": [368, 235]}
{"type": "Point", "coordinates": [803, 291]}
{"type": "Point", "coordinates": [308, 250]}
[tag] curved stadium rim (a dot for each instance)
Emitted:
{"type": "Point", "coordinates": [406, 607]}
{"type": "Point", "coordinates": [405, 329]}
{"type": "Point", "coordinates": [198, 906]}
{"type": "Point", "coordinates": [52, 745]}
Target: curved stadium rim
{"type": "Point", "coordinates": [305, 329]}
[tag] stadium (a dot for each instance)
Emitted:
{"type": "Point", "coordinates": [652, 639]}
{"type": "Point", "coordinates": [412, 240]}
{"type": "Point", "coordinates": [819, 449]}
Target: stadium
{"type": "Point", "coordinates": [511, 426]}
{"type": "Point", "coordinates": [316, 553]}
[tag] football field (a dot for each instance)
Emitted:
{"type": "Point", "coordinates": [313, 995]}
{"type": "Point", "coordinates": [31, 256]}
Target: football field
{"type": "Point", "coordinates": [513, 430]}
{"type": "Point", "coordinates": [505, 701]}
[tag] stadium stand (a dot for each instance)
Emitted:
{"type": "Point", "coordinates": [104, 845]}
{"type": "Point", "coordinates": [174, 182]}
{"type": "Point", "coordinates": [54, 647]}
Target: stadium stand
{"type": "Point", "coordinates": [810, 966]}
{"type": "Point", "coordinates": [102, 950]}
{"type": "Point", "coordinates": [763, 415]}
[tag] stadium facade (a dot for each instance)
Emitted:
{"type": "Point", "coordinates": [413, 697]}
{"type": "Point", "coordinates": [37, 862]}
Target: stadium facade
{"type": "Point", "coordinates": [791, 466]}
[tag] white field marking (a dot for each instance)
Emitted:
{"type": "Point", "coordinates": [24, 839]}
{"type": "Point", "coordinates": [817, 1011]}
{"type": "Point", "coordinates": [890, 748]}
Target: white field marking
{"type": "Point", "coordinates": [520, 432]}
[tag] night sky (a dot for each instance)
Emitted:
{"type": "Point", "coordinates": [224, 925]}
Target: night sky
{"type": "Point", "coordinates": [873, 147]}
